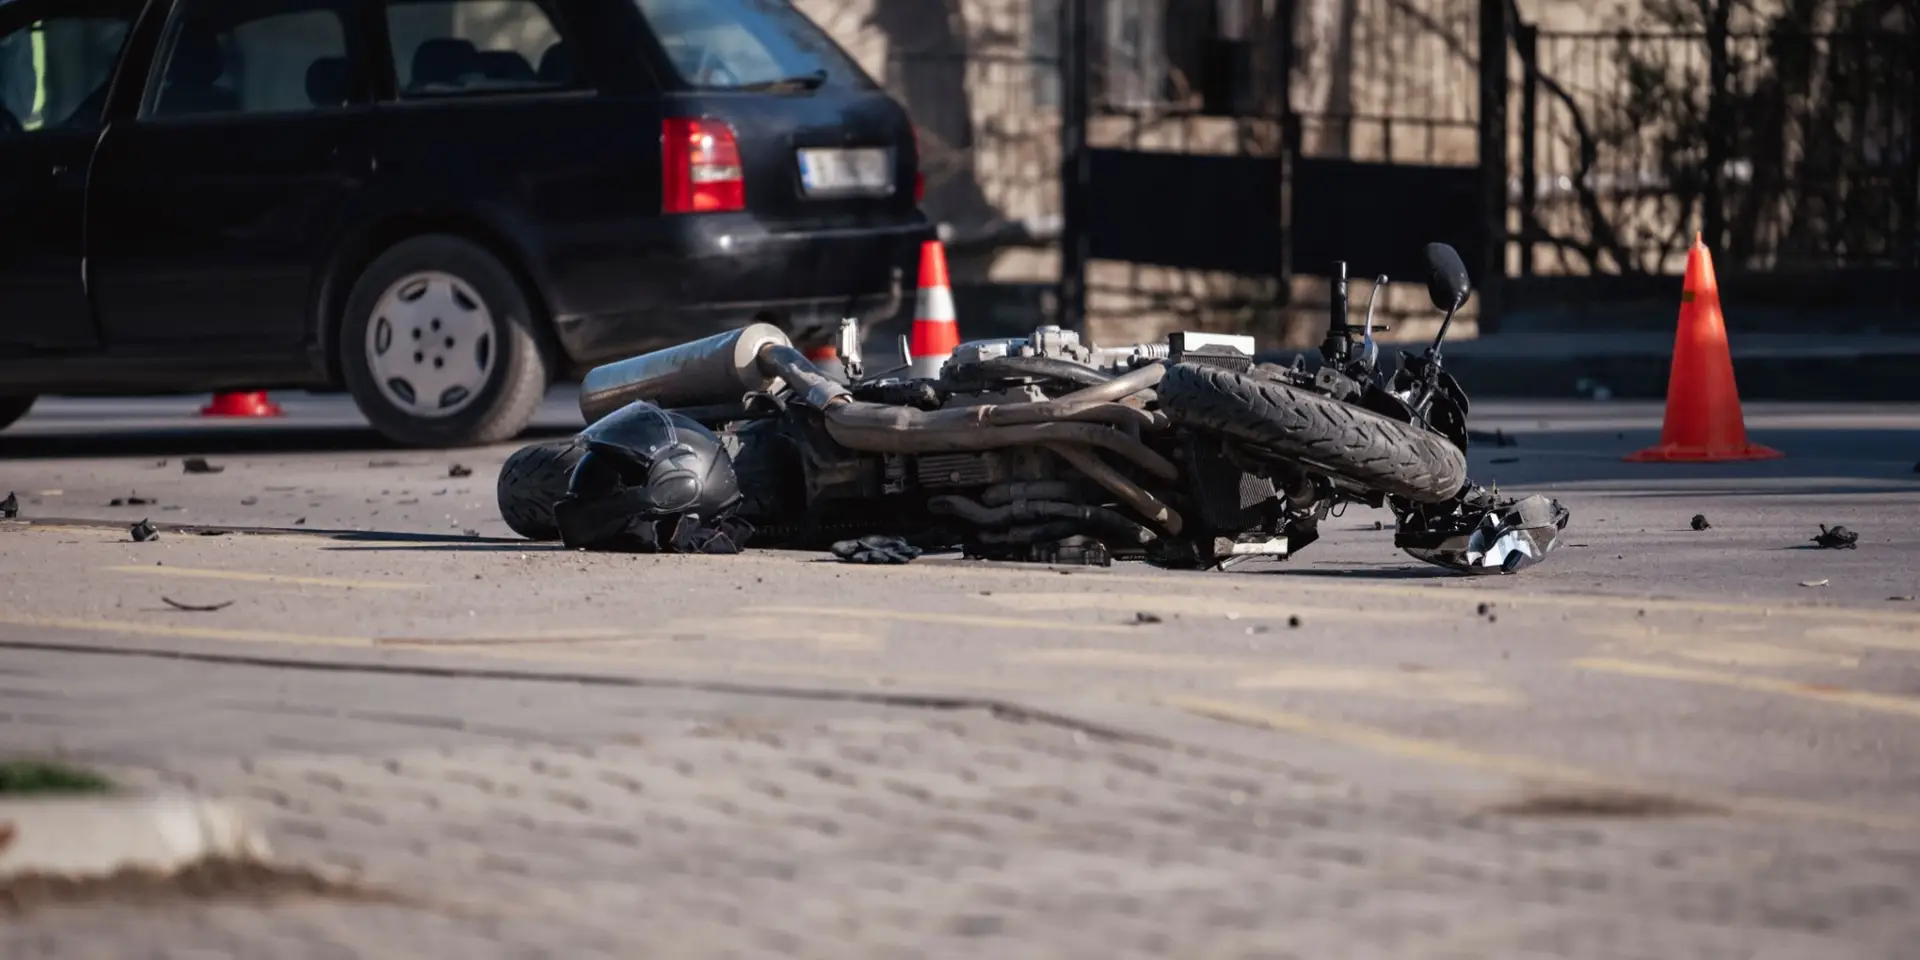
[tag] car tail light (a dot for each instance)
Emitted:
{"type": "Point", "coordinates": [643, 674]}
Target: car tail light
{"type": "Point", "coordinates": [919, 179]}
{"type": "Point", "coordinates": [700, 167]}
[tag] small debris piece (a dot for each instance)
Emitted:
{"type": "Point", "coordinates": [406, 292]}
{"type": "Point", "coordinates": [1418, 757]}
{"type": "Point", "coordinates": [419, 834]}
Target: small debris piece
{"type": "Point", "coordinates": [1504, 460]}
{"type": "Point", "coordinates": [1377, 525]}
{"type": "Point", "coordinates": [1293, 621]}
{"type": "Point", "coordinates": [196, 607]}
{"type": "Point", "coordinates": [143, 531]}
{"type": "Point", "coordinates": [1837, 538]}
{"type": "Point", "coordinates": [1815, 583]}
{"type": "Point", "coordinates": [459, 470]}
{"type": "Point", "coordinates": [1900, 597]}
{"type": "Point", "coordinates": [471, 532]}
{"type": "Point", "coordinates": [1483, 609]}
{"type": "Point", "coordinates": [381, 464]}
{"type": "Point", "coordinates": [200, 465]}
{"type": "Point", "coordinates": [1700, 522]}
{"type": "Point", "coordinates": [10, 507]}
{"type": "Point", "coordinates": [130, 501]}
{"type": "Point", "coordinates": [877, 549]}
{"type": "Point", "coordinates": [1145, 617]}
{"type": "Point", "coordinates": [249, 501]}
{"type": "Point", "coordinates": [300, 522]}
{"type": "Point", "coordinates": [1498, 438]}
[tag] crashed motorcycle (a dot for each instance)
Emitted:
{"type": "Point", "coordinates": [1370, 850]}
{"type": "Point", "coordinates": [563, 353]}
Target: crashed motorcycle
{"type": "Point", "coordinates": [1187, 453]}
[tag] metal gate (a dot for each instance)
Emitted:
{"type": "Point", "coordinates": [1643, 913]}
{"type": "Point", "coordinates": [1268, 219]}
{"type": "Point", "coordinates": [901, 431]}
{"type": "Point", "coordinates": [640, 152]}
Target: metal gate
{"type": "Point", "coordinates": [1268, 138]}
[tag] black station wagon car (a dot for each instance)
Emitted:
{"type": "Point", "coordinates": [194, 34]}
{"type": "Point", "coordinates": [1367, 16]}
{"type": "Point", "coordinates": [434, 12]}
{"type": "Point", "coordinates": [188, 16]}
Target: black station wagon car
{"type": "Point", "coordinates": [439, 205]}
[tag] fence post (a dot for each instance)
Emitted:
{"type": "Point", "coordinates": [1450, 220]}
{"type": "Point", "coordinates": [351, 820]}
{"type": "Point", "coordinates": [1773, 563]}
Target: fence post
{"type": "Point", "coordinates": [1494, 32]}
{"type": "Point", "coordinates": [1528, 36]}
{"type": "Point", "coordinates": [1074, 164]}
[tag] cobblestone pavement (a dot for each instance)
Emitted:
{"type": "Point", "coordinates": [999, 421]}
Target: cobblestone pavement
{"type": "Point", "coordinates": [542, 819]}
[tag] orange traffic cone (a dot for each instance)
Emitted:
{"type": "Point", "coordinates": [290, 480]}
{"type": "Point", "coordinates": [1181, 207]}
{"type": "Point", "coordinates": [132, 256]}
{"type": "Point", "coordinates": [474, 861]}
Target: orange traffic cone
{"type": "Point", "coordinates": [1703, 423]}
{"type": "Point", "coordinates": [253, 404]}
{"type": "Point", "coordinates": [936, 330]}
{"type": "Point", "coordinates": [827, 358]}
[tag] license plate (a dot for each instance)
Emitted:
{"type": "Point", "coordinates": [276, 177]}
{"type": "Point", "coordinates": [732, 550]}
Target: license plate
{"type": "Point", "coordinates": [842, 172]}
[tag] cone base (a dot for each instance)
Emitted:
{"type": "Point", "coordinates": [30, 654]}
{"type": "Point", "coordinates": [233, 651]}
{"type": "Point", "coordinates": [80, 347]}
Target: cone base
{"type": "Point", "coordinates": [240, 405]}
{"type": "Point", "coordinates": [1682, 453]}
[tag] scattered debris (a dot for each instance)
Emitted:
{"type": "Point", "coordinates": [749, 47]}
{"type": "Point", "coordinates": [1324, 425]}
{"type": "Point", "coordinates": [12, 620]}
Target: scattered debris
{"type": "Point", "coordinates": [1293, 621]}
{"type": "Point", "coordinates": [196, 607]}
{"type": "Point", "coordinates": [1483, 609]}
{"type": "Point", "coordinates": [876, 549]}
{"type": "Point", "coordinates": [1815, 583]}
{"type": "Point", "coordinates": [1837, 538]}
{"type": "Point", "coordinates": [143, 531]}
{"type": "Point", "coordinates": [131, 500]}
{"type": "Point", "coordinates": [459, 470]}
{"type": "Point", "coordinates": [300, 522]}
{"type": "Point", "coordinates": [10, 507]}
{"type": "Point", "coordinates": [249, 501]}
{"type": "Point", "coordinates": [1901, 597]}
{"type": "Point", "coordinates": [200, 465]}
{"type": "Point", "coordinates": [1145, 617]}
{"type": "Point", "coordinates": [471, 532]}
{"type": "Point", "coordinates": [1504, 460]}
{"type": "Point", "coordinates": [1700, 522]}
{"type": "Point", "coordinates": [1498, 438]}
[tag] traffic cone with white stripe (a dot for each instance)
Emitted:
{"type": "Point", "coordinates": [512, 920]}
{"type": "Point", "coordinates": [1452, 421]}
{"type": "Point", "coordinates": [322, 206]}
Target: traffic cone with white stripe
{"type": "Point", "coordinates": [936, 330]}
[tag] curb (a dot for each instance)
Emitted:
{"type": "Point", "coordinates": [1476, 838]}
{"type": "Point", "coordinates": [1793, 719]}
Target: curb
{"type": "Point", "coordinates": [100, 835]}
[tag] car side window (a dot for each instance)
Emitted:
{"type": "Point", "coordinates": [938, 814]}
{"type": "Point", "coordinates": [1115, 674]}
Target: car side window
{"type": "Point", "coordinates": [228, 57]}
{"type": "Point", "coordinates": [465, 47]}
{"type": "Point", "coordinates": [54, 71]}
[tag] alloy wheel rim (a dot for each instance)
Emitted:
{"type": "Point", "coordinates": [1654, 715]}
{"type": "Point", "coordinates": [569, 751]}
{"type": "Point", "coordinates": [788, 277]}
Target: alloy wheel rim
{"type": "Point", "coordinates": [430, 344]}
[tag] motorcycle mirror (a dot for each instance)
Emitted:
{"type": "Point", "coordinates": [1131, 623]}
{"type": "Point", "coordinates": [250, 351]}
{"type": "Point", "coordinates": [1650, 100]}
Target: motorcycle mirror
{"type": "Point", "coordinates": [1447, 281]}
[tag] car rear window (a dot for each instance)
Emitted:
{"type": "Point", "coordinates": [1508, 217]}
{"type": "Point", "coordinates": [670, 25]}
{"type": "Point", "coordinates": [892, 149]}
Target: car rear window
{"type": "Point", "coordinates": [724, 44]}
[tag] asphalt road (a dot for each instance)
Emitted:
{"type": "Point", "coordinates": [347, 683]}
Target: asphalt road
{"type": "Point", "coordinates": [1731, 691]}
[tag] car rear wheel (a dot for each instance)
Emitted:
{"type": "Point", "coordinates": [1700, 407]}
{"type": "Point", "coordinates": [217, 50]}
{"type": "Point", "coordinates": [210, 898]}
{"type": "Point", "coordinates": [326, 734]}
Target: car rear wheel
{"type": "Point", "coordinates": [437, 345]}
{"type": "Point", "coordinates": [12, 409]}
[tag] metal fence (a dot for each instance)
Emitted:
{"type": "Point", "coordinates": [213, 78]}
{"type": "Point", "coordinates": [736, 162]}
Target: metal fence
{"type": "Point", "coordinates": [1789, 151]}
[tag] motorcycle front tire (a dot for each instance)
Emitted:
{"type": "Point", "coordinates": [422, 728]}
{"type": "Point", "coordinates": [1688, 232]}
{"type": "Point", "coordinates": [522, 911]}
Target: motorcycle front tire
{"type": "Point", "coordinates": [1349, 442]}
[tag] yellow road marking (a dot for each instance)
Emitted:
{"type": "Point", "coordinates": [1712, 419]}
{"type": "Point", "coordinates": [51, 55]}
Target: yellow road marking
{"type": "Point", "coordinates": [1203, 606]}
{"type": "Point", "coordinates": [589, 635]}
{"type": "Point", "coordinates": [1126, 660]}
{"type": "Point", "coordinates": [949, 619]}
{"type": "Point", "coordinates": [1463, 688]}
{"type": "Point", "coordinates": [1877, 702]}
{"type": "Point", "coordinates": [1722, 651]}
{"type": "Point", "coordinates": [1386, 742]}
{"type": "Point", "coordinates": [824, 634]}
{"type": "Point", "coordinates": [245, 577]}
{"type": "Point", "coordinates": [171, 630]}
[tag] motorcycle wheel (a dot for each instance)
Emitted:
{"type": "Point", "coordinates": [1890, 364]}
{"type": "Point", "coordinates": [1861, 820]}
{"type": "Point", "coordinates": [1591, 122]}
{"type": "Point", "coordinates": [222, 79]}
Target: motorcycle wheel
{"type": "Point", "coordinates": [1338, 438]}
{"type": "Point", "coordinates": [532, 481]}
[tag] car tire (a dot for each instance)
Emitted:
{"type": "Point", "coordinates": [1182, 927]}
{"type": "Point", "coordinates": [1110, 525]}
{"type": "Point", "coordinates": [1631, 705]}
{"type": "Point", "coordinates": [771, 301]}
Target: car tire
{"type": "Point", "coordinates": [12, 409]}
{"type": "Point", "coordinates": [437, 345]}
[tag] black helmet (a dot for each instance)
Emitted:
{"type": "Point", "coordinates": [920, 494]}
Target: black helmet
{"type": "Point", "coordinates": [651, 480]}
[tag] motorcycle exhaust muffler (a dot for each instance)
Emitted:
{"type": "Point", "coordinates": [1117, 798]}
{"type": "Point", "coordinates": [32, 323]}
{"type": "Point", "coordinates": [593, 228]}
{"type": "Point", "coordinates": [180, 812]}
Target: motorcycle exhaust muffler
{"type": "Point", "coordinates": [708, 372]}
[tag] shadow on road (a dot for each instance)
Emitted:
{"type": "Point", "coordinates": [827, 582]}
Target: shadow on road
{"type": "Point", "coordinates": [215, 441]}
